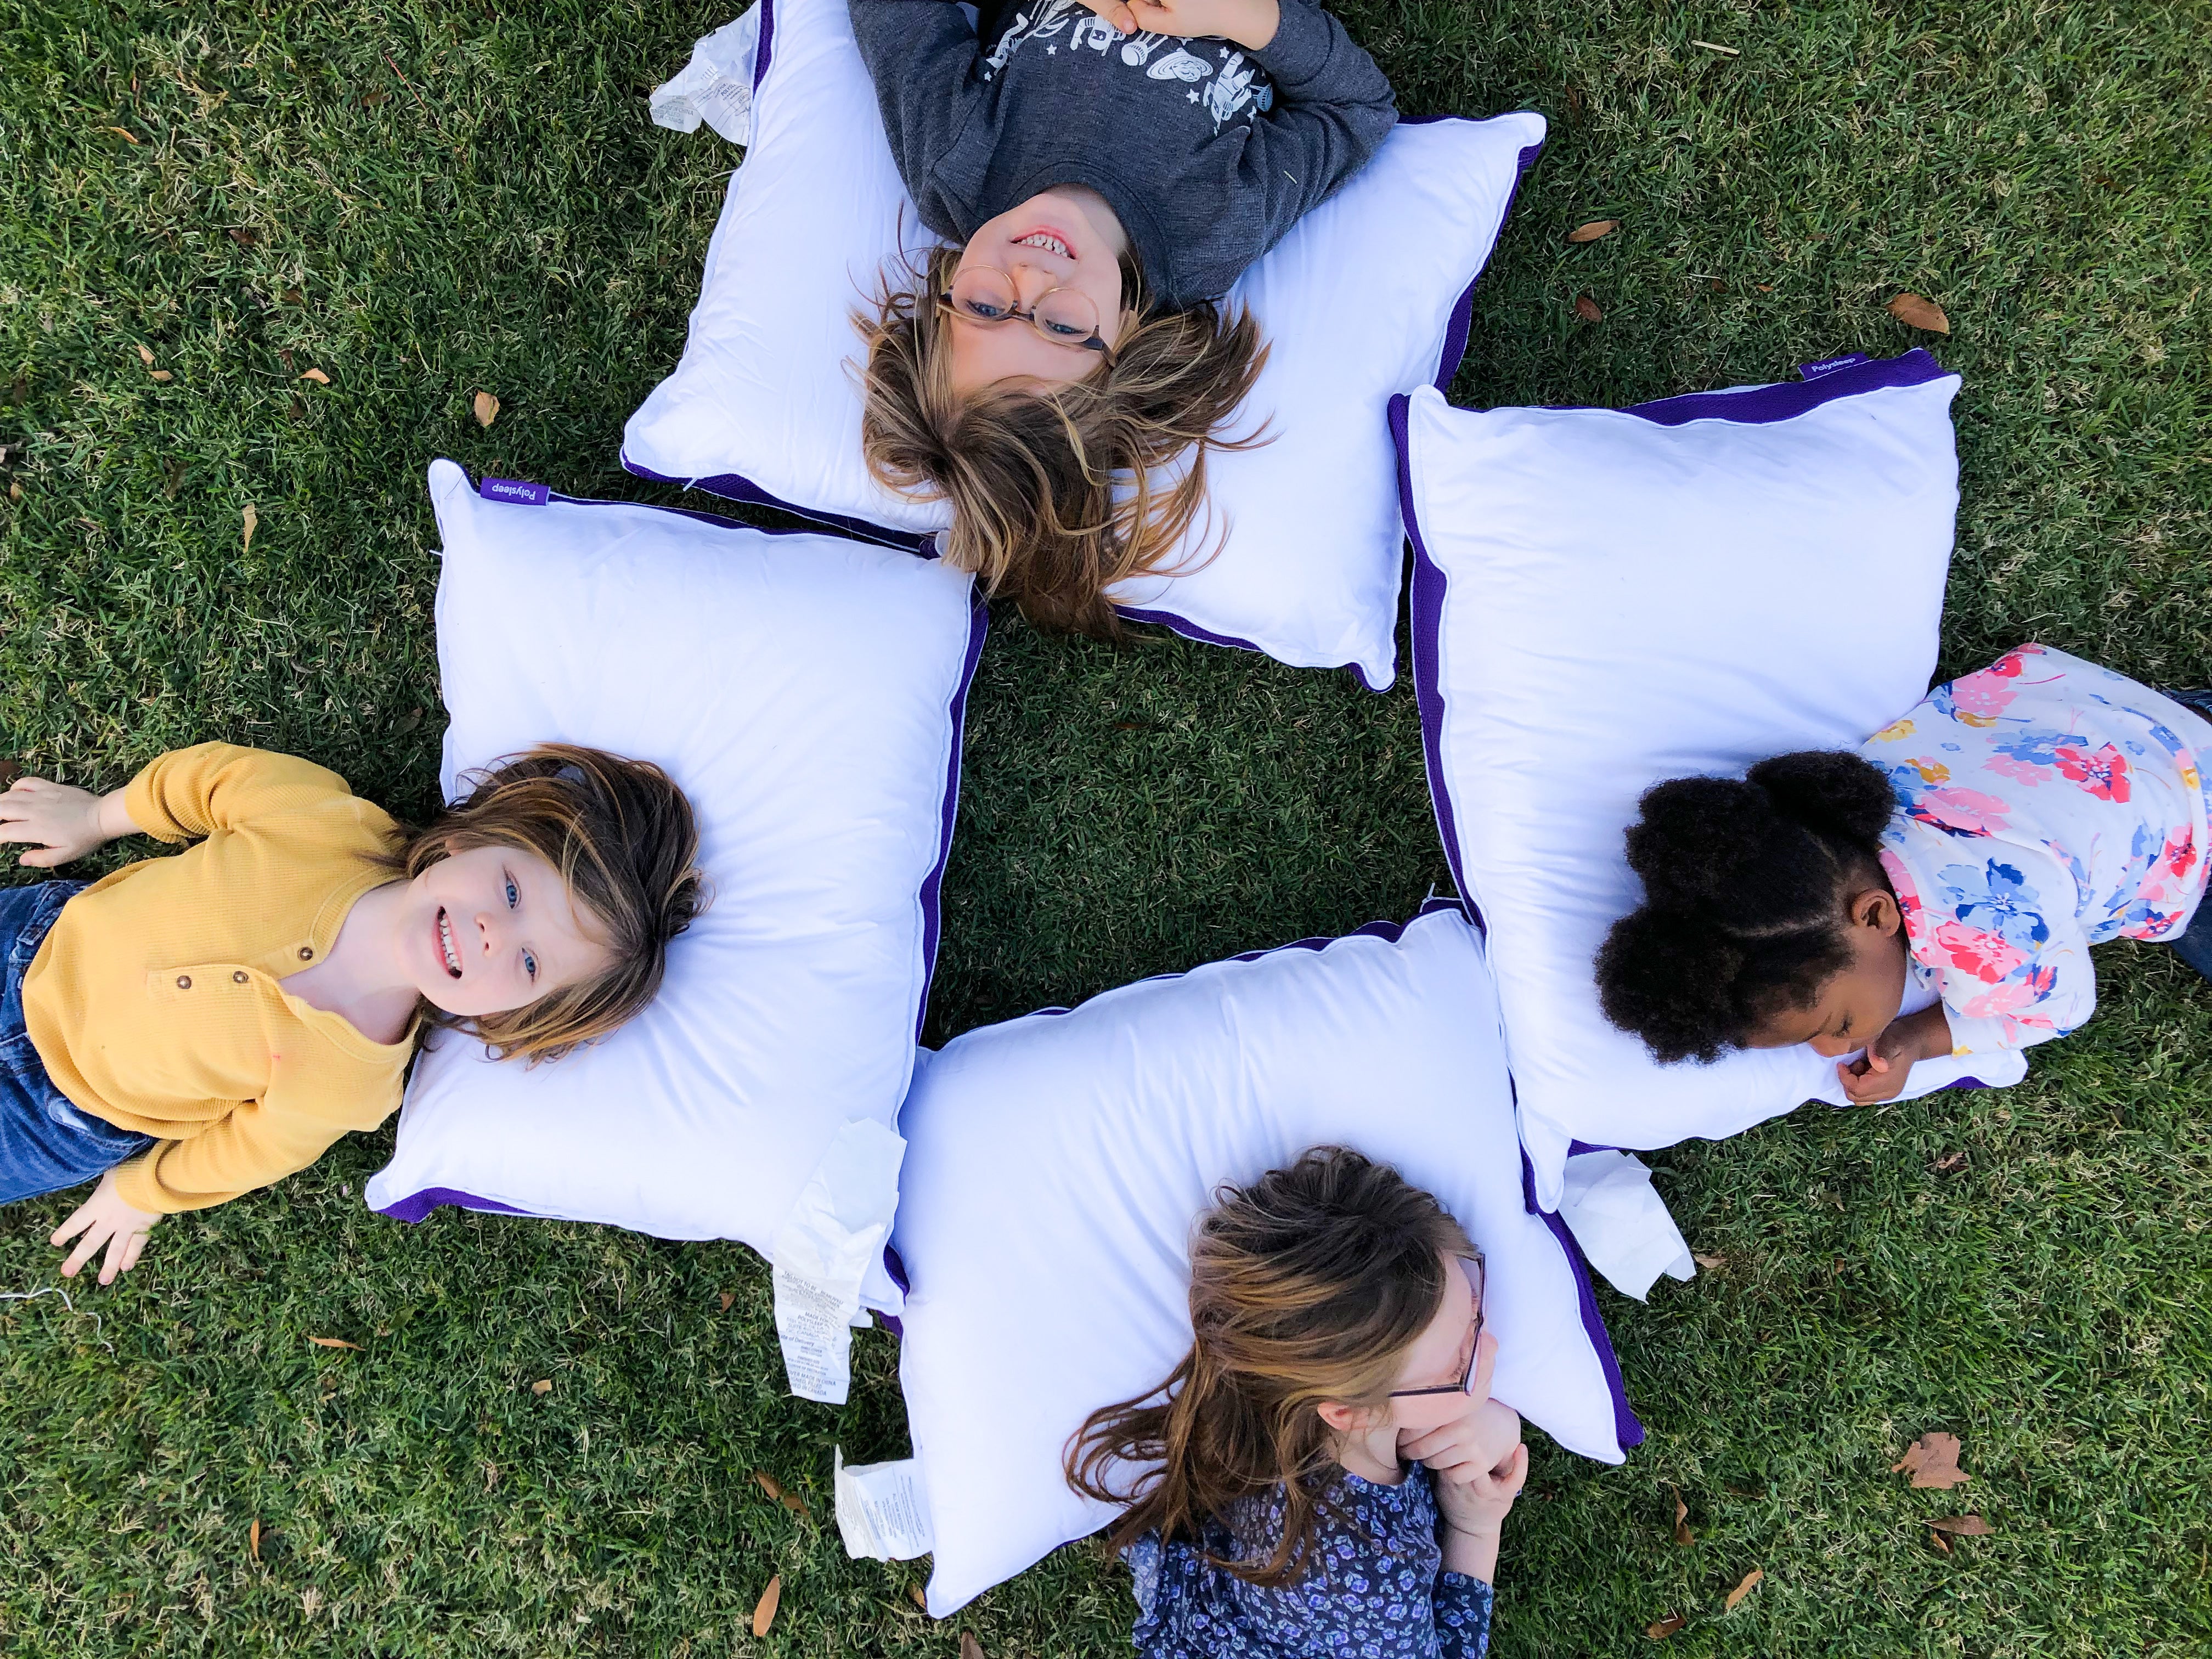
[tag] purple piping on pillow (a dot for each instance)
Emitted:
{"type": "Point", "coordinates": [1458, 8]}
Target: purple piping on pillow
{"type": "Point", "coordinates": [764, 44]}
{"type": "Point", "coordinates": [1625, 1428]}
{"type": "Point", "coordinates": [1428, 612]}
{"type": "Point", "coordinates": [979, 624]}
{"type": "Point", "coordinates": [417, 1205]}
{"type": "Point", "coordinates": [732, 487]}
{"type": "Point", "coordinates": [1763, 406]}
{"type": "Point", "coordinates": [1191, 630]}
{"type": "Point", "coordinates": [1577, 1148]}
{"type": "Point", "coordinates": [1462, 315]}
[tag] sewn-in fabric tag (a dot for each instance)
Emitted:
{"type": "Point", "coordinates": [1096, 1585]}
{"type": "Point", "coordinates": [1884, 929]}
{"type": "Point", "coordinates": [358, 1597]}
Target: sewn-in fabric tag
{"type": "Point", "coordinates": [883, 1509]}
{"type": "Point", "coordinates": [515, 490]}
{"type": "Point", "coordinates": [1829, 365]}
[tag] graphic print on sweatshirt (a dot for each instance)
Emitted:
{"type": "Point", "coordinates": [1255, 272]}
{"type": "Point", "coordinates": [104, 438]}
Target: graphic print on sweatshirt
{"type": "Point", "coordinates": [1225, 84]}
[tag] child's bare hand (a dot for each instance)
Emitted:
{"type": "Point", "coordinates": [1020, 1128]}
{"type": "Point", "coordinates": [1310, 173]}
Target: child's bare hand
{"type": "Point", "coordinates": [1475, 1499]}
{"type": "Point", "coordinates": [1881, 1073]}
{"type": "Point", "coordinates": [62, 822]}
{"type": "Point", "coordinates": [1250, 23]}
{"type": "Point", "coordinates": [105, 1219]}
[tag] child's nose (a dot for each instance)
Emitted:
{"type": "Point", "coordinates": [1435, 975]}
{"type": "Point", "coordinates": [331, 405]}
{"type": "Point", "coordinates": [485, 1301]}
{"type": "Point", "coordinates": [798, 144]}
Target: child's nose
{"type": "Point", "coordinates": [1835, 1048]}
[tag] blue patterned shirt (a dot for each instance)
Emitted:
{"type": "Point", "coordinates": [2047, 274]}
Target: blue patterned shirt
{"type": "Point", "coordinates": [1375, 1587]}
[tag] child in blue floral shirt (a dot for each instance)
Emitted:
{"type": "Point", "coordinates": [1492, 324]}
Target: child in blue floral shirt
{"type": "Point", "coordinates": [1324, 1473]}
{"type": "Point", "coordinates": [1980, 844]}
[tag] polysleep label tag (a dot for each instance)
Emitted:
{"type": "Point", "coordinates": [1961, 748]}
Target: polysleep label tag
{"type": "Point", "coordinates": [883, 1511]}
{"type": "Point", "coordinates": [823, 1253]}
{"type": "Point", "coordinates": [515, 490]}
{"type": "Point", "coordinates": [1829, 365]}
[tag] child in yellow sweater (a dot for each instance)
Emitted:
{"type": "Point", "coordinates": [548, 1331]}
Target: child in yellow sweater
{"type": "Point", "coordinates": [191, 1028]}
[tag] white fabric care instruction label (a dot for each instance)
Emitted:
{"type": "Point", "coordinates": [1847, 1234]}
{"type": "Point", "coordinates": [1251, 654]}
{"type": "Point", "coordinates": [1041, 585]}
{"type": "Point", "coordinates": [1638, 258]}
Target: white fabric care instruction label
{"type": "Point", "coordinates": [882, 1509]}
{"type": "Point", "coordinates": [823, 1251]}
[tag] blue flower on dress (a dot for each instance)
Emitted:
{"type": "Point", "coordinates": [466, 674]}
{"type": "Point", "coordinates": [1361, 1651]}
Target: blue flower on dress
{"type": "Point", "coordinates": [1996, 898]}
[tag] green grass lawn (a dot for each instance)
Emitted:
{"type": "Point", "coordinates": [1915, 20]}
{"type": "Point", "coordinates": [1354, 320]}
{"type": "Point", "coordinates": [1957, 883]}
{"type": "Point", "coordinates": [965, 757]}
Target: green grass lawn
{"type": "Point", "coordinates": [426, 199]}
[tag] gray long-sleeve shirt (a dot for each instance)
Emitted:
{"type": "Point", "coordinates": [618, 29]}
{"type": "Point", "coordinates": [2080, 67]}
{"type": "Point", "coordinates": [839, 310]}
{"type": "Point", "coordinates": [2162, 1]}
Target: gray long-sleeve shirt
{"type": "Point", "coordinates": [1206, 152]}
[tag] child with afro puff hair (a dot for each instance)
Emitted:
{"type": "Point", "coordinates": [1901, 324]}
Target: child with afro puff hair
{"type": "Point", "coordinates": [1980, 845]}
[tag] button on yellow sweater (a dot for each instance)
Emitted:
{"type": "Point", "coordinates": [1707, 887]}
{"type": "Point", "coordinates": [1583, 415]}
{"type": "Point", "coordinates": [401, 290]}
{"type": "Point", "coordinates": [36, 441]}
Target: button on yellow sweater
{"type": "Point", "coordinates": [156, 1001]}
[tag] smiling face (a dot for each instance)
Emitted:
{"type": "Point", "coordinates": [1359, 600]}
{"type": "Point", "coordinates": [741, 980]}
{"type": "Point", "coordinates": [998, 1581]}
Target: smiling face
{"type": "Point", "coordinates": [1860, 1000]}
{"type": "Point", "coordinates": [493, 929]}
{"type": "Point", "coordinates": [1063, 238]}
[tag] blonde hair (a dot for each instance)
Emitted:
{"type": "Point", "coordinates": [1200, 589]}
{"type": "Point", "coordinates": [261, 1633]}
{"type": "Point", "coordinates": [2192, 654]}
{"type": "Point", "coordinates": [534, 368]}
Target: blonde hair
{"type": "Point", "coordinates": [1307, 1286]}
{"type": "Point", "coordinates": [624, 840]}
{"type": "Point", "coordinates": [1055, 494]}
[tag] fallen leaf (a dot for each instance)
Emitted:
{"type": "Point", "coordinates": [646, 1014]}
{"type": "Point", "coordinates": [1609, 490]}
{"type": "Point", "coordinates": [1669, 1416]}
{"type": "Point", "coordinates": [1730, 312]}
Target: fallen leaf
{"type": "Point", "coordinates": [769, 1482]}
{"type": "Point", "coordinates": [319, 1341]}
{"type": "Point", "coordinates": [244, 237]}
{"type": "Point", "coordinates": [1725, 52]}
{"type": "Point", "coordinates": [377, 97]}
{"type": "Point", "coordinates": [292, 296]}
{"type": "Point", "coordinates": [15, 492]}
{"type": "Point", "coordinates": [919, 1596]}
{"type": "Point", "coordinates": [1939, 1541]}
{"type": "Point", "coordinates": [121, 133]}
{"type": "Point", "coordinates": [316, 375]}
{"type": "Point", "coordinates": [764, 1610]}
{"type": "Point", "coordinates": [1916, 313]}
{"type": "Point", "coordinates": [1586, 308]}
{"type": "Point", "coordinates": [542, 1385]}
{"type": "Point", "coordinates": [487, 408]}
{"type": "Point", "coordinates": [146, 356]}
{"type": "Point", "coordinates": [728, 1297]}
{"type": "Point", "coordinates": [1682, 1533]}
{"type": "Point", "coordinates": [1593, 230]}
{"type": "Point", "coordinates": [252, 521]}
{"type": "Point", "coordinates": [254, 1538]}
{"type": "Point", "coordinates": [1965, 1526]}
{"type": "Point", "coordinates": [1950, 1163]}
{"type": "Point", "coordinates": [1765, 287]}
{"type": "Point", "coordinates": [163, 375]}
{"type": "Point", "coordinates": [1932, 1460]}
{"type": "Point", "coordinates": [969, 1647]}
{"type": "Point", "coordinates": [1743, 1590]}
{"type": "Point", "coordinates": [1660, 1629]}
{"type": "Point", "coordinates": [1714, 1263]}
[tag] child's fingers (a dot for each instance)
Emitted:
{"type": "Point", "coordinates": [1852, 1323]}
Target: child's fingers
{"type": "Point", "coordinates": [133, 1247]}
{"type": "Point", "coordinates": [94, 1238]}
{"type": "Point", "coordinates": [1513, 1474]}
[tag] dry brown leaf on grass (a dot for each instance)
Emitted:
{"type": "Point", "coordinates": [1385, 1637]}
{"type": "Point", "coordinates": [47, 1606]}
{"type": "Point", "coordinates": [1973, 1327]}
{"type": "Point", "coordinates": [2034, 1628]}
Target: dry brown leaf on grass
{"type": "Point", "coordinates": [1660, 1629]}
{"type": "Point", "coordinates": [1916, 313]}
{"type": "Point", "coordinates": [487, 408]}
{"type": "Point", "coordinates": [163, 376]}
{"type": "Point", "coordinates": [1939, 1541]}
{"type": "Point", "coordinates": [783, 1495]}
{"type": "Point", "coordinates": [1682, 1533]}
{"type": "Point", "coordinates": [764, 1609]}
{"type": "Point", "coordinates": [1587, 309]}
{"type": "Point", "coordinates": [332, 1341]}
{"type": "Point", "coordinates": [1711, 1263]}
{"type": "Point", "coordinates": [244, 237]}
{"type": "Point", "coordinates": [316, 375]}
{"type": "Point", "coordinates": [254, 1538]}
{"type": "Point", "coordinates": [292, 296]}
{"type": "Point", "coordinates": [1593, 230]}
{"type": "Point", "coordinates": [1932, 1460]}
{"type": "Point", "coordinates": [122, 133]}
{"type": "Point", "coordinates": [1750, 1581]}
{"type": "Point", "coordinates": [252, 523]}
{"type": "Point", "coordinates": [542, 1385]}
{"type": "Point", "coordinates": [969, 1647]}
{"type": "Point", "coordinates": [919, 1596]}
{"type": "Point", "coordinates": [146, 356]}
{"type": "Point", "coordinates": [728, 1297]}
{"type": "Point", "coordinates": [1965, 1526]}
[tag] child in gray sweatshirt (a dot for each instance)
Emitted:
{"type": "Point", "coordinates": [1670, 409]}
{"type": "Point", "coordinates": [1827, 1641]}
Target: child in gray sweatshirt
{"type": "Point", "coordinates": [1106, 169]}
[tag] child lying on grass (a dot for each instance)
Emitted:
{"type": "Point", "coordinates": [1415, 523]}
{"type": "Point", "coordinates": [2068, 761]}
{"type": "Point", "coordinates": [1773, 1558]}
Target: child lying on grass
{"type": "Point", "coordinates": [188, 1029]}
{"type": "Point", "coordinates": [1106, 171]}
{"type": "Point", "coordinates": [1332, 1475]}
{"type": "Point", "coordinates": [1981, 845]}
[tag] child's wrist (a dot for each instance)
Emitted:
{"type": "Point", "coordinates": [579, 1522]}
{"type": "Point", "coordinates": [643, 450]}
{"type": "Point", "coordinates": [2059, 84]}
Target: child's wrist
{"type": "Point", "coordinates": [1256, 30]}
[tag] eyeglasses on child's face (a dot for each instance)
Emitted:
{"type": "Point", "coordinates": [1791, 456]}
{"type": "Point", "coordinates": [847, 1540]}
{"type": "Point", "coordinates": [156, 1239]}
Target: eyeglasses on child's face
{"type": "Point", "coordinates": [1472, 1266]}
{"type": "Point", "coordinates": [1065, 316]}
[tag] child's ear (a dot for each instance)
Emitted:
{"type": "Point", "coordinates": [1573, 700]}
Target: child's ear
{"type": "Point", "coordinates": [1875, 908]}
{"type": "Point", "coordinates": [1345, 1419]}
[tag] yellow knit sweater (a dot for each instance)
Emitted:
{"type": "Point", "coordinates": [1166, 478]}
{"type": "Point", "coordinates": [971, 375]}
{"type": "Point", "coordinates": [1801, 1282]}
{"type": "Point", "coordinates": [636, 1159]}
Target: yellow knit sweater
{"type": "Point", "coordinates": [156, 1002]}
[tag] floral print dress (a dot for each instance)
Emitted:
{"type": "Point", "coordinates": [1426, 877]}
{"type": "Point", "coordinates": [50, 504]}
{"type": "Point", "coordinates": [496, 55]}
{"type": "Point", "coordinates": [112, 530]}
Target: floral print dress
{"type": "Point", "coordinates": [2045, 804]}
{"type": "Point", "coordinates": [1376, 1590]}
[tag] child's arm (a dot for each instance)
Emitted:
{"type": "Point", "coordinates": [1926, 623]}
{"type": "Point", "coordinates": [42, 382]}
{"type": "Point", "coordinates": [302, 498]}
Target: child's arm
{"type": "Point", "coordinates": [919, 53]}
{"type": "Point", "coordinates": [62, 822]}
{"type": "Point", "coordinates": [1334, 108]}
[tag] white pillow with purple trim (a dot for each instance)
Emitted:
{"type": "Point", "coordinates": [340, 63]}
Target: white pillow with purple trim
{"type": "Point", "coordinates": [1604, 599]}
{"type": "Point", "coordinates": [806, 693]}
{"type": "Point", "coordinates": [1100, 1135]}
{"type": "Point", "coordinates": [1368, 296]}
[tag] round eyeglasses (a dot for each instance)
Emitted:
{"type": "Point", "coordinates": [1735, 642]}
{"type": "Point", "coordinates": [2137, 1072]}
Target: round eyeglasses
{"type": "Point", "coordinates": [1064, 316]}
{"type": "Point", "coordinates": [1472, 1266]}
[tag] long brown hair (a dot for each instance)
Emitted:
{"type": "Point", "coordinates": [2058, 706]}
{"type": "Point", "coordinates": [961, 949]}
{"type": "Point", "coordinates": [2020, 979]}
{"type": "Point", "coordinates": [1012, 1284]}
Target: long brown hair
{"type": "Point", "coordinates": [1306, 1287]}
{"type": "Point", "coordinates": [624, 840]}
{"type": "Point", "coordinates": [1057, 495]}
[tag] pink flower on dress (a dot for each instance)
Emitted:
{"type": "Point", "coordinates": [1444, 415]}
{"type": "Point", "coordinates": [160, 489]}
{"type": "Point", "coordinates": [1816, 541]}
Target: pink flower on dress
{"type": "Point", "coordinates": [1981, 697]}
{"type": "Point", "coordinates": [1968, 811]}
{"type": "Point", "coordinates": [2009, 766]}
{"type": "Point", "coordinates": [1988, 957]}
{"type": "Point", "coordinates": [2179, 856]}
{"type": "Point", "coordinates": [2009, 1000]}
{"type": "Point", "coordinates": [2104, 774]}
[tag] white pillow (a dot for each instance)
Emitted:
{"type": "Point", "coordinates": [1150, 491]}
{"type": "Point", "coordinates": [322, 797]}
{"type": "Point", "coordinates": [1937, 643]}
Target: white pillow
{"type": "Point", "coordinates": [1368, 296]}
{"type": "Point", "coordinates": [1603, 598]}
{"type": "Point", "coordinates": [1100, 1134]}
{"type": "Point", "coordinates": [806, 694]}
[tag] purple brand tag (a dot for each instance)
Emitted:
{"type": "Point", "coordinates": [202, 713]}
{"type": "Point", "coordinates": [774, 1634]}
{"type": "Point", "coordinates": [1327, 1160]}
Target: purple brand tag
{"type": "Point", "coordinates": [515, 490]}
{"type": "Point", "coordinates": [1829, 365]}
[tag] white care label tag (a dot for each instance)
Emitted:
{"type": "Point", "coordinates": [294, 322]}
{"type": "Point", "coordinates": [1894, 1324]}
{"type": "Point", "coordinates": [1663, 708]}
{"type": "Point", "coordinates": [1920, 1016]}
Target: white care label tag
{"type": "Point", "coordinates": [882, 1509]}
{"type": "Point", "coordinates": [1617, 1216]}
{"type": "Point", "coordinates": [823, 1251]}
{"type": "Point", "coordinates": [716, 86]}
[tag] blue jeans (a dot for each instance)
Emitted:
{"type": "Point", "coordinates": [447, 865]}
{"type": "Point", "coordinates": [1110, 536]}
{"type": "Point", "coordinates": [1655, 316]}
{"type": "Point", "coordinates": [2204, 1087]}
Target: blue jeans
{"type": "Point", "coordinates": [46, 1142]}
